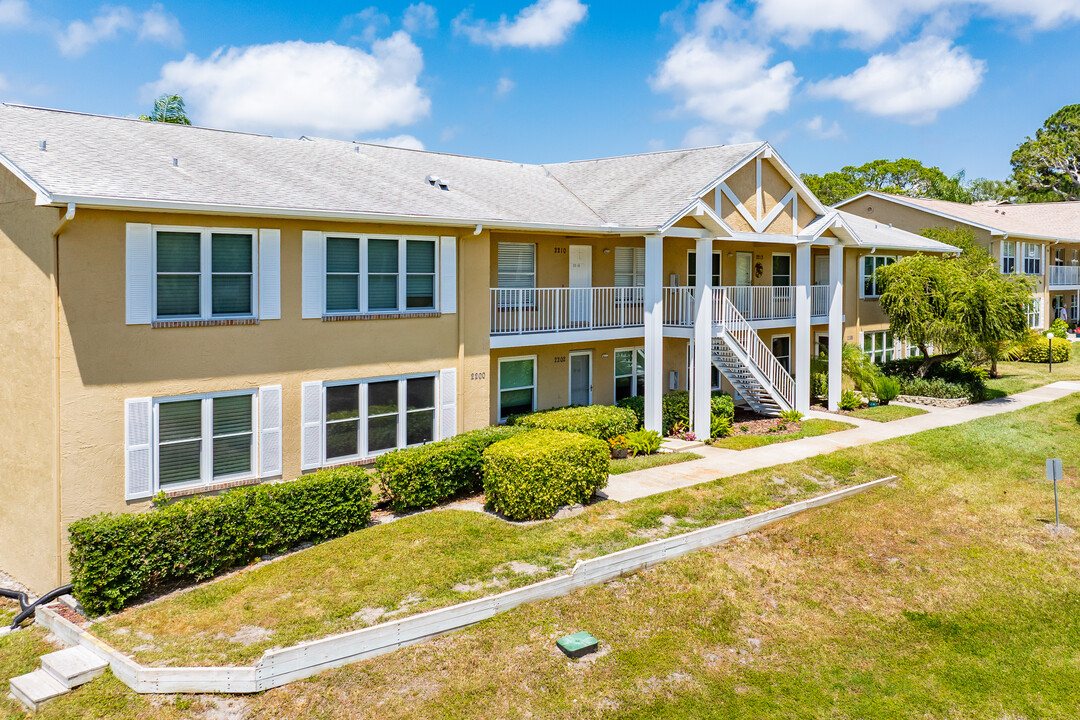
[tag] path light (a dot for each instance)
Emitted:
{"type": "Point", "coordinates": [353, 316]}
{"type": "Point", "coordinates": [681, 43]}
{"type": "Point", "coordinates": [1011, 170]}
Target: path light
{"type": "Point", "coordinates": [1050, 350]}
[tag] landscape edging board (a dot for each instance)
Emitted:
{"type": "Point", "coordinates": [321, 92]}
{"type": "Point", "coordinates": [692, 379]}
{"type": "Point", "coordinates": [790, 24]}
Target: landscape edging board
{"type": "Point", "coordinates": [282, 666]}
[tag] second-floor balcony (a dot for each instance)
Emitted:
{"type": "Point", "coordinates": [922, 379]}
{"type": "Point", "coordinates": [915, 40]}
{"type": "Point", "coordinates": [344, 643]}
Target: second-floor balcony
{"type": "Point", "coordinates": [527, 311]}
{"type": "Point", "coordinates": [1064, 275]}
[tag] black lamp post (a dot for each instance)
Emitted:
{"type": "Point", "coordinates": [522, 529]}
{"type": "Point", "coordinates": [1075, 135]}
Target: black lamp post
{"type": "Point", "coordinates": [1050, 350]}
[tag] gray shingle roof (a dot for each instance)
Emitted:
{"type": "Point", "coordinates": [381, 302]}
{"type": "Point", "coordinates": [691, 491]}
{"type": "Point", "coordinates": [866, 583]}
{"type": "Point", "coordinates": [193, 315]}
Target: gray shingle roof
{"type": "Point", "coordinates": [874, 234]}
{"type": "Point", "coordinates": [120, 159]}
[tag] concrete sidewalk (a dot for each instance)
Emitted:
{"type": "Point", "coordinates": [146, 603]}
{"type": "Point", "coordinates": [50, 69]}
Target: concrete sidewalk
{"type": "Point", "coordinates": [719, 463]}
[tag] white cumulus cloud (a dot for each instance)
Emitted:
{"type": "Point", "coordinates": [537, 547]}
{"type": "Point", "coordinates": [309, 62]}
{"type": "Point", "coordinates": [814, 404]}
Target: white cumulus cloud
{"type": "Point", "coordinates": [14, 13]}
{"type": "Point", "coordinates": [299, 87]}
{"type": "Point", "coordinates": [817, 128]}
{"type": "Point", "coordinates": [420, 19]}
{"type": "Point", "coordinates": [158, 25]}
{"type": "Point", "coordinates": [913, 84]}
{"type": "Point", "coordinates": [504, 86]}
{"type": "Point", "coordinates": [542, 24]}
{"type": "Point", "coordinates": [408, 142]}
{"type": "Point", "coordinates": [80, 36]}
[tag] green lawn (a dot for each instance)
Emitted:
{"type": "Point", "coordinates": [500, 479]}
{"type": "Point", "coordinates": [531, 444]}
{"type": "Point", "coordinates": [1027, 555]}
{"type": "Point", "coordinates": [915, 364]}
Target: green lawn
{"type": "Point", "coordinates": [809, 428]}
{"type": "Point", "coordinates": [886, 413]}
{"type": "Point", "coordinates": [1017, 376]}
{"type": "Point", "coordinates": [942, 597]}
{"type": "Point", "coordinates": [630, 464]}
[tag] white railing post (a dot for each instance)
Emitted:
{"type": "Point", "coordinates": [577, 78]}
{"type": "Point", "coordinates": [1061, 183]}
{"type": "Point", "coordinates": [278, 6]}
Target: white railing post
{"type": "Point", "coordinates": [701, 383]}
{"type": "Point", "coordinates": [654, 332]}
{"type": "Point", "coordinates": [802, 328]}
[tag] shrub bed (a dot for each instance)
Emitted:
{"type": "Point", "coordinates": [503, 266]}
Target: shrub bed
{"type": "Point", "coordinates": [528, 476]}
{"type": "Point", "coordinates": [116, 558]}
{"type": "Point", "coordinates": [424, 476]}
{"type": "Point", "coordinates": [1037, 350]}
{"type": "Point", "coordinates": [934, 387]}
{"type": "Point", "coordinates": [952, 379]}
{"type": "Point", "coordinates": [602, 422]}
{"type": "Point", "coordinates": [676, 409]}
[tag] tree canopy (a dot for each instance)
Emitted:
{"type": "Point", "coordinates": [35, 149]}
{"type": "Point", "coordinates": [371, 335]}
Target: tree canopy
{"type": "Point", "coordinates": [1047, 167]}
{"type": "Point", "coordinates": [953, 304]}
{"type": "Point", "coordinates": [903, 177]}
{"type": "Point", "coordinates": [168, 109]}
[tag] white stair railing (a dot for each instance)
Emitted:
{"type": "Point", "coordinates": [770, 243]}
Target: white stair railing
{"type": "Point", "coordinates": [757, 352]}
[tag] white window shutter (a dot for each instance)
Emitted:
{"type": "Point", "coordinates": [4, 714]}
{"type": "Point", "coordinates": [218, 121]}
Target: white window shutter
{"type": "Point", "coordinates": [270, 274]}
{"type": "Point", "coordinates": [448, 274]}
{"type": "Point", "coordinates": [311, 402]}
{"type": "Point", "coordinates": [314, 274]}
{"type": "Point", "coordinates": [270, 431]}
{"type": "Point", "coordinates": [447, 403]}
{"type": "Point", "coordinates": [138, 448]}
{"type": "Point", "coordinates": [139, 266]}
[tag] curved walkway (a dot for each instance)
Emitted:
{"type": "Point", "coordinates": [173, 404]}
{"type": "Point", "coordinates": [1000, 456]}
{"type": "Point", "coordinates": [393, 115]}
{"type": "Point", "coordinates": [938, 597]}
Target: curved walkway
{"type": "Point", "coordinates": [719, 463]}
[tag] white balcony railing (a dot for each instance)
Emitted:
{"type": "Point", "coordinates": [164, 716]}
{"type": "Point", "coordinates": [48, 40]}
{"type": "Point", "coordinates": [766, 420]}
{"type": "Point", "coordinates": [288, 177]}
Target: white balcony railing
{"type": "Point", "coordinates": [1064, 275]}
{"type": "Point", "coordinates": [516, 311]}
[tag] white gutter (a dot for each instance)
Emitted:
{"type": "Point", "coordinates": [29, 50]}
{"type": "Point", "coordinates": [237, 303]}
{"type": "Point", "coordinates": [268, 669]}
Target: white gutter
{"type": "Point", "coordinates": [251, 210]}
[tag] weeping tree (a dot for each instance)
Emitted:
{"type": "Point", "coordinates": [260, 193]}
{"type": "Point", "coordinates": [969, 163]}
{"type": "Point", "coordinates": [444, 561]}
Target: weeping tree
{"type": "Point", "coordinates": [1047, 166]}
{"type": "Point", "coordinates": [168, 109]}
{"type": "Point", "coordinates": [954, 304]}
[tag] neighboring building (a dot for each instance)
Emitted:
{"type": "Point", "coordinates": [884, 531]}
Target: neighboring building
{"type": "Point", "coordinates": [1039, 240]}
{"type": "Point", "coordinates": [187, 310]}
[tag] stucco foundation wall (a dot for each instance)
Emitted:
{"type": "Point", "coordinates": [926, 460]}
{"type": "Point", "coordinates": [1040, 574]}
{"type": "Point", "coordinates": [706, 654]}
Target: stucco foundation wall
{"type": "Point", "coordinates": [29, 492]}
{"type": "Point", "coordinates": [103, 361]}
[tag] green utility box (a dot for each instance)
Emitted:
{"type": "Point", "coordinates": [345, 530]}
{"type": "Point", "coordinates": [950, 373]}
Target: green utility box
{"type": "Point", "coordinates": [578, 644]}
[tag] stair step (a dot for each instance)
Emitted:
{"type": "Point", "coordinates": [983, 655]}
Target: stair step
{"type": "Point", "coordinates": [37, 688]}
{"type": "Point", "coordinates": [74, 666]}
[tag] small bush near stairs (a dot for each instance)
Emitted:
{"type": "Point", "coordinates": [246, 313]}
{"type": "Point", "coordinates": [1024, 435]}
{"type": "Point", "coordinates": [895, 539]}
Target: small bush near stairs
{"type": "Point", "coordinates": [115, 558]}
{"type": "Point", "coordinates": [528, 476]}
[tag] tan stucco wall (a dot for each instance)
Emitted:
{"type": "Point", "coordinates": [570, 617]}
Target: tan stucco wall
{"type": "Point", "coordinates": [29, 492]}
{"type": "Point", "coordinates": [103, 360]}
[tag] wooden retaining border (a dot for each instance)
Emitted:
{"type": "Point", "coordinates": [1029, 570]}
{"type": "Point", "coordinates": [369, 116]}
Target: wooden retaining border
{"type": "Point", "coordinates": [282, 666]}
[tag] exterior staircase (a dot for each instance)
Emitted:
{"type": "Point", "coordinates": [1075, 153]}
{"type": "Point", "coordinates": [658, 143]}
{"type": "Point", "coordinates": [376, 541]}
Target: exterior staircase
{"type": "Point", "coordinates": [60, 673]}
{"type": "Point", "coordinates": [748, 363]}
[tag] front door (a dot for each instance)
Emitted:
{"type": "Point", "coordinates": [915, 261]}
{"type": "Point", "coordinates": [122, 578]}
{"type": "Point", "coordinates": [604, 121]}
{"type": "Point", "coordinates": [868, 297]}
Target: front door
{"type": "Point", "coordinates": [579, 303]}
{"type": "Point", "coordinates": [741, 296]}
{"type": "Point", "coordinates": [581, 378]}
{"type": "Point", "coordinates": [821, 270]}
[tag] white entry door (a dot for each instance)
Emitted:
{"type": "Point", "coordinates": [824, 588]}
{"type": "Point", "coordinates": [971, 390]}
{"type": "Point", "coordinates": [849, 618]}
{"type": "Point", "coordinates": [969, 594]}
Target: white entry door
{"type": "Point", "coordinates": [580, 294]}
{"type": "Point", "coordinates": [742, 296]}
{"type": "Point", "coordinates": [821, 270]}
{"type": "Point", "coordinates": [581, 378]}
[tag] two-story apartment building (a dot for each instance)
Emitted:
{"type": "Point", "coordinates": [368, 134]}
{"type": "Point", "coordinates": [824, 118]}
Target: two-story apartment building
{"type": "Point", "coordinates": [1039, 240]}
{"type": "Point", "coordinates": [187, 310]}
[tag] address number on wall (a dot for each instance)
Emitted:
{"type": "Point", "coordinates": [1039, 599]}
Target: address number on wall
{"type": "Point", "coordinates": [560, 358]}
{"type": "Point", "coordinates": [477, 376]}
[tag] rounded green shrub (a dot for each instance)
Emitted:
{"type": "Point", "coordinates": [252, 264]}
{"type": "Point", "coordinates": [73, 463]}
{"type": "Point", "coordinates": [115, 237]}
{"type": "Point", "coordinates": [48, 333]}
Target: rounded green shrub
{"type": "Point", "coordinates": [602, 422]}
{"type": "Point", "coordinates": [424, 476]}
{"type": "Point", "coordinates": [117, 557]}
{"type": "Point", "coordinates": [644, 442]}
{"type": "Point", "coordinates": [1037, 350]}
{"type": "Point", "coordinates": [528, 476]}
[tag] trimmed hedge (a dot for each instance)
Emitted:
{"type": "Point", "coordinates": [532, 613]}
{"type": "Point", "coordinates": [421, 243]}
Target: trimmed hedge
{"type": "Point", "coordinates": [528, 476]}
{"type": "Point", "coordinates": [602, 422]}
{"type": "Point", "coordinates": [424, 476]}
{"type": "Point", "coordinates": [956, 372]}
{"type": "Point", "coordinates": [116, 558]}
{"type": "Point", "coordinates": [1038, 350]}
{"type": "Point", "coordinates": [676, 408]}
{"type": "Point", "coordinates": [935, 388]}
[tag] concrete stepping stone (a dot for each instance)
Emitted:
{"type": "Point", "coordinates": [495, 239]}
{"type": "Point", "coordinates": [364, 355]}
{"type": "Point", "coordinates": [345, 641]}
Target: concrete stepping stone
{"type": "Point", "coordinates": [37, 688]}
{"type": "Point", "coordinates": [74, 666]}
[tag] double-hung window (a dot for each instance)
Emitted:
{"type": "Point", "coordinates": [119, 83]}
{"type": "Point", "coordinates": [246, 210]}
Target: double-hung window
{"type": "Point", "coordinates": [1034, 313]}
{"type": "Point", "coordinates": [369, 417]}
{"type": "Point", "coordinates": [202, 274]}
{"type": "Point", "coordinates": [781, 269]}
{"type": "Point", "coordinates": [629, 267]}
{"type": "Point", "coordinates": [629, 373]}
{"type": "Point", "coordinates": [379, 274]}
{"type": "Point", "coordinates": [204, 439]}
{"type": "Point", "coordinates": [1032, 259]}
{"type": "Point", "coordinates": [691, 269]}
{"type": "Point", "coordinates": [517, 386]}
{"type": "Point", "coordinates": [879, 345]}
{"type": "Point", "coordinates": [781, 349]}
{"type": "Point", "coordinates": [1008, 257]}
{"type": "Point", "coordinates": [869, 287]}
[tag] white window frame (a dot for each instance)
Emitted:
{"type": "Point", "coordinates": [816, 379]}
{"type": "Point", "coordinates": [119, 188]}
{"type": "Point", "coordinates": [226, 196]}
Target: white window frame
{"type": "Point", "coordinates": [499, 389]}
{"type": "Point", "coordinates": [637, 266]}
{"type": "Point", "coordinates": [817, 344]}
{"type": "Point", "coordinates": [364, 416]}
{"type": "Point", "coordinates": [206, 298]}
{"type": "Point", "coordinates": [362, 274]}
{"type": "Point", "coordinates": [691, 268]}
{"type": "Point", "coordinates": [635, 370]}
{"type": "Point", "coordinates": [1008, 253]}
{"type": "Point", "coordinates": [791, 269]}
{"type": "Point", "coordinates": [531, 276]}
{"type": "Point", "coordinates": [772, 341]}
{"type": "Point", "coordinates": [1035, 258]}
{"type": "Point", "coordinates": [1035, 312]}
{"type": "Point", "coordinates": [206, 470]}
{"type": "Point", "coordinates": [716, 378]}
{"type": "Point", "coordinates": [887, 260]}
{"type": "Point", "coordinates": [878, 353]}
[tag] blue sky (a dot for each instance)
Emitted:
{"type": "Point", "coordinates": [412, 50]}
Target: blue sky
{"type": "Point", "coordinates": [956, 83]}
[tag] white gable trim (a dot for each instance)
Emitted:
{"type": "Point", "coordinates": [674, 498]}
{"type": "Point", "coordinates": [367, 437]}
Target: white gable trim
{"type": "Point", "coordinates": [767, 152]}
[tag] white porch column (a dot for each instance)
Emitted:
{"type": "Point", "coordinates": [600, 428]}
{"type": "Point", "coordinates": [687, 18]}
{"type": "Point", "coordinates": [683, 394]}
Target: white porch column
{"type": "Point", "coordinates": [701, 383]}
{"type": "Point", "coordinates": [654, 332]}
{"type": "Point", "coordinates": [836, 324]}
{"type": "Point", "coordinates": [802, 350]}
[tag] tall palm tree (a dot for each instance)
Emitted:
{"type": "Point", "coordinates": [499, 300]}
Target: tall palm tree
{"type": "Point", "coordinates": [168, 109]}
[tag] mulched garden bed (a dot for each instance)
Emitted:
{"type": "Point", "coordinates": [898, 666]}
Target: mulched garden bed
{"type": "Point", "coordinates": [748, 422]}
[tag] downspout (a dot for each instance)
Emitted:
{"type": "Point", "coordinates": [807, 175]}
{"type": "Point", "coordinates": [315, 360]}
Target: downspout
{"type": "Point", "coordinates": [68, 217]}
